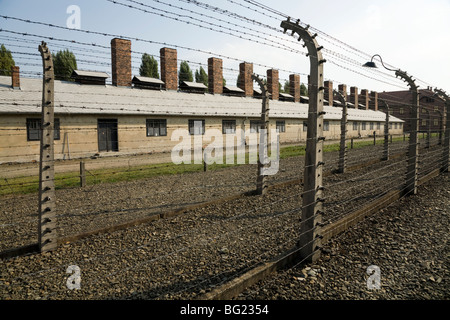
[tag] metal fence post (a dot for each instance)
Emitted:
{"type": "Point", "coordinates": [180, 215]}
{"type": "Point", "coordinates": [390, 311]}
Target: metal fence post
{"type": "Point", "coordinates": [261, 181]}
{"type": "Point", "coordinates": [310, 230]}
{"type": "Point", "coordinates": [47, 204]}
{"type": "Point", "coordinates": [343, 145]}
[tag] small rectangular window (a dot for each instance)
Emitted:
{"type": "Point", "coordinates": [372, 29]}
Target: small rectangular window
{"type": "Point", "coordinates": [305, 126]}
{"type": "Point", "coordinates": [196, 127]}
{"type": "Point", "coordinates": [156, 127]}
{"type": "Point", "coordinates": [326, 126]}
{"type": "Point", "coordinates": [255, 125]}
{"type": "Point", "coordinates": [281, 126]}
{"type": "Point", "coordinates": [378, 126]}
{"type": "Point", "coordinates": [228, 126]}
{"type": "Point", "coordinates": [34, 129]}
{"type": "Point", "coordinates": [363, 126]}
{"type": "Point", "coordinates": [371, 126]}
{"type": "Point", "coordinates": [355, 125]}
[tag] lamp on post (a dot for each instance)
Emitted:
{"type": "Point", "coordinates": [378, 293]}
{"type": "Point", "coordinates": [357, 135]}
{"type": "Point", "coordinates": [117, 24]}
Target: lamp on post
{"type": "Point", "coordinates": [413, 149]}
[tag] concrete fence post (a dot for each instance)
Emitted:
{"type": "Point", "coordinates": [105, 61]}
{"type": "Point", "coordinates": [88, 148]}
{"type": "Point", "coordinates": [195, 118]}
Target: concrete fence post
{"type": "Point", "coordinates": [385, 156]}
{"type": "Point", "coordinates": [413, 148]}
{"type": "Point", "coordinates": [312, 206]}
{"type": "Point", "coordinates": [47, 239]}
{"type": "Point", "coordinates": [446, 148]}
{"type": "Point", "coordinates": [261, 181]}
{"type": "Point", "coordinates": [82, 174]}
{"type": "Point", "coordinates": [343, 144]}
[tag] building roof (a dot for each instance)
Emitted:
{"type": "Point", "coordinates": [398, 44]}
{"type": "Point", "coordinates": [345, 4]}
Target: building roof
{"type": "Point", "coordinates": [76, 99]}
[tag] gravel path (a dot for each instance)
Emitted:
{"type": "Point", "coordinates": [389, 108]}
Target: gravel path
{"type": "Point", "coordinates": [408, 241]}
{"type": "Point", "coordinates": [108, 204]}
{"type": "Point", "coordinates": [184, 256]}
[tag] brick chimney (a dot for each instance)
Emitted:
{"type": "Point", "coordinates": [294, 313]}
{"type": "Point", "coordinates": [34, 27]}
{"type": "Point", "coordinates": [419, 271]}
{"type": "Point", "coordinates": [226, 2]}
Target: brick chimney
{"type": "Point", "coordinates": [15, 77]}
{"type": "Point", "coordinates": [215, 76]}
{"type": "Point", "coordinates": [121, 62]}
{"type": "Point", "coordinates": [373, 101]}
{"type": "Point", "coordinates": [364, 97]}
{"type": "Point", "coordinates": [294, 86]}
{"type": "Point", "coordinates": [246, 82]}
{"type": "Point", "coordinates": [343, 89]}
{"type": "Point", "coordinates": [328, 93]}
{"type": "Point", "coordinates": [273, 84]}
{"type": "Point", "coordinates": [354, 96]}
{"type": "Point", "coordinates": [169, 68]}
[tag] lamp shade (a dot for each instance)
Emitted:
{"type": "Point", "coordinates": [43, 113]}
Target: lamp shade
{"type": "Point", "coordinates": [370, 64]}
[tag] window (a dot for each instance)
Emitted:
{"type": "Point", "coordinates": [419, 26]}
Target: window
{"type": "Point", "coordinates": [395, 125]}
{"type": "Point", "coordinates": [281, 126]}
{"type": "Point", "coordinates": [371, 126]}
{"type": "Point", "coordinates": [156, 127]}
{"type": "Point", "coordinates": [390, 125]}
{"type": "Point", "coordinates": [326, 126]}
{"type": "Point", "coordinates": [228, 126]}
{"type": "Point", "coordinates": [402, 111]}
{"type": "Point", "coordinates": [305, 126]}
{"type": "Point", "coordinates": [355, 125]}
{"type": "Point", "coordinates": [255, 125]}
{"type": "Point", "coordinates": [436, 108]}
{"type": "Point", "coordinates": [363, 126]}
{"type": "Point", "coordinates": [34, 129]}
{"type": "Point", "coordinates": [378, 126]}
{"type": "Point", "coordinates": [196, 127]}
{"type": "Point", "coordinates": [436, 122]}
{"type": "Point", "coordinates": [424, 122]}
{"type": "Point", "coordinates": [400, 125]}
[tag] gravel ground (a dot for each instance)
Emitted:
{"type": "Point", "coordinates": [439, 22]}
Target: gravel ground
{"type": "Point", "coordinates": [108, 204]}
{"type": "Point", "coordinates": [184, 256]}
{"type": "Point", "coordinates": [408, 241]}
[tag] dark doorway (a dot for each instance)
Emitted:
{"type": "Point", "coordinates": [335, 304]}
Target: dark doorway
{"type": "Point", "coordinates": [107, 135]}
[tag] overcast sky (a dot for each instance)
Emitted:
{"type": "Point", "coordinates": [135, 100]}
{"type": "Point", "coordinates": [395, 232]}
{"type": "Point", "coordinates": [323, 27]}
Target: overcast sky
{"type": "Point", "coordinates": [411, 35]}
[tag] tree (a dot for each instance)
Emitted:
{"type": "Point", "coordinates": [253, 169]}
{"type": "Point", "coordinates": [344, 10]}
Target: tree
{"type": "Point", "coordinates": [6, 61]}
{"type": "Point", "coordinates": [303, 90]}
{"type": "Point", "coordinates": [286, 87]}
{"type": "Point", "coordinates": [149, 67]}
{"type": "Point", "coordinates": [201, 76]}
{"type": "Point", "coordinates": [64, 62]}
{"type": "Point", "coordinates": [185, 73]}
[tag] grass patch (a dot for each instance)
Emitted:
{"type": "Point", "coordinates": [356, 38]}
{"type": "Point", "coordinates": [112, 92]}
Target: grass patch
{"type": "Point", "coordinates": [24, 185]}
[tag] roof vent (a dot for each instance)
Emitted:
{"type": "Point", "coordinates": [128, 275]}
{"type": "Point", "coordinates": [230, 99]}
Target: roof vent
{"type": "Point", "coordinates": [192, 87]}
{"type": "Point", "coordinates": [233, 91]}
{"type": "Point", "coordinates": [90, 77]}
{"type": "Point", "coordinates": [148, 83]}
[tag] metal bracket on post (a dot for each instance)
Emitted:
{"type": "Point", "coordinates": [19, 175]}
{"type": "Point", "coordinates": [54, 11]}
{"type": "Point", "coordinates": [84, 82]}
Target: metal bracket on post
{"type": "Point", "coordinates": [446, 150]}
{"type": "Point", "coordinates": [261, 183]}
{"type": "Point", "coordinates": [385, 156]}
{"type": "Point", "coordinates": [47, 239]}
{"type": "Point", "coordinates": [310, 230]}
{"type": "Point", "coordinates": [413, 149]}
{"type": "Point", "coordinates": [343, 145]}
